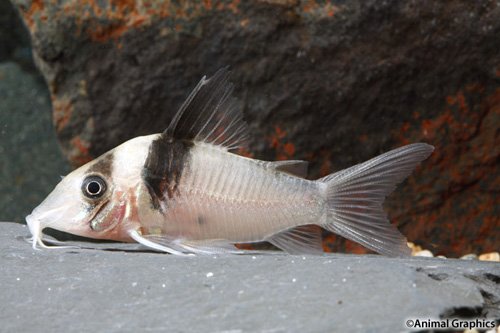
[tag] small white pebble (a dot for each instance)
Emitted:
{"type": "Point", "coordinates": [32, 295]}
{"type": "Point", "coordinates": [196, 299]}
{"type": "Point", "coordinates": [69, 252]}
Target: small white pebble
{"type": "Point", "coordinates": [49, 289]}
{"type": "Point", "coordinates": [294, 280]}
{"type": "Point", "coordinates": [344, 280]}
{"type": "Point", "coordinates": [240, 292]}
{"type": "Point", "coordinates": [497, 330]}
{"type": "Point", "coordinates": [163, 285]}
{"type": "Point", "coordinates": [18, 279]}
{"type": "Point", "coordinates": [469, 256]}
{"type": "Point", "coordinates": [163, 268]}
{"type": "Point", "coordinates": [303, 258]}
{"type": "Point", "coordinates": [210, 274]}
{"type": "Point", "coordinates": [254, 257]}
{"type": "Point", "coordinates": [423, 253]}
{"type": "Point", "coordinates": [414, 285]}
{"type": "Point", "coordinates": [134, 284]}
{"type": "Point", "coordinates": [492, 256]}
{"type": "Point", "coordinates": [471, 331]}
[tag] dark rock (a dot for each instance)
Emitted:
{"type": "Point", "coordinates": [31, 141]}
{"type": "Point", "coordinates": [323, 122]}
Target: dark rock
{"type": "Point", "coordinates": [76, 290]}
{"type": "Point", "coordinates": [30, 159]}
{"type": "Point", "coordinates": [331, 82]}
{"type": "Point", "coordinates": [12, 33]}
{"type": "Point", "coordinates": [14, 39]}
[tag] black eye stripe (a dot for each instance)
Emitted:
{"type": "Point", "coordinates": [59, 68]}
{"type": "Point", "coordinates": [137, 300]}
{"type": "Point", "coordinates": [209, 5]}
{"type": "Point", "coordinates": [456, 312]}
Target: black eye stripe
{"type": "Point", "coordinates": [94, 187]}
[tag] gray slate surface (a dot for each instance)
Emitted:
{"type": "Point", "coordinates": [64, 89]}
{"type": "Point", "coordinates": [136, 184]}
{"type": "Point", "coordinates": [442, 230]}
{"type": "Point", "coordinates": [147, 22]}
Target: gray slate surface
{"type": "Point", "coordinates": [123, 291]}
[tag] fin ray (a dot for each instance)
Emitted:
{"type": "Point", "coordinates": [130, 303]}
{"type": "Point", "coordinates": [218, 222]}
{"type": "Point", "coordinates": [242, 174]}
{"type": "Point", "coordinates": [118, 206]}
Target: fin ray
{"type": "Point", "coordinates": [179, 246]}
{"type": "Point", "coordinates": [355, 196]}
{"type": "Point", "coordinates": [211, 246]}
{"type": "Point", "coordinates": [210, 114]}
{"type": "Point", "coordinates": [304, 239]}
{"type": "Point", "coordinates": [168, 245]}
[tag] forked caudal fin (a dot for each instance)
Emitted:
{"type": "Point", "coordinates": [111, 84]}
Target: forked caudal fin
{"type": "Point", "coordinates": [355, 196]}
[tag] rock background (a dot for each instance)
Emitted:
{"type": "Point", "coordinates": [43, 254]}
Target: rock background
{"type": "Point", "coordinates": [30, 158]}
{"type": "Point", "coordinates": [332, 82]}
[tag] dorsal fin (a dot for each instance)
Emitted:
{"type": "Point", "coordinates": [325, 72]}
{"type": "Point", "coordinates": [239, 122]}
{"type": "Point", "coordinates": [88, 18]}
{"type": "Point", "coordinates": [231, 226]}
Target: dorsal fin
{"type": "Point", "coordinates": [293, 167]}
{"type": "Point", "coordinates": [210, 114]}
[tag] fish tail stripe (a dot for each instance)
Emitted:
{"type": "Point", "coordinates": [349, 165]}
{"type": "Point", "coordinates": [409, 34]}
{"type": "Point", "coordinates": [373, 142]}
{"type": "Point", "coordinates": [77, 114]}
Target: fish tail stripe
{"type": "Point", "coordinates": [355, 195]}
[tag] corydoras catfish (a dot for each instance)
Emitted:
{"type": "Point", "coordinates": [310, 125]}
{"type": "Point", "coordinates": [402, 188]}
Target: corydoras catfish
{"type": "Point", "coordinates": [184, 192]}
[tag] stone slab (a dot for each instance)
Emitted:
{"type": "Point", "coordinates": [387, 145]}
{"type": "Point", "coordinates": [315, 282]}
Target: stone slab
{"type": "Point", "coordinates": [123, 288]}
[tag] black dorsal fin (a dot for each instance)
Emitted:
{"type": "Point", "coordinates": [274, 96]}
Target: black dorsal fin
{"type": "Point", "coordinates": [210, 114]}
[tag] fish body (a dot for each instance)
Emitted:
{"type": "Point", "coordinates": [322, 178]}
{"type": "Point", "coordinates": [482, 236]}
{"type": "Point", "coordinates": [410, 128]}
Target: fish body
{"type": "Point", "coordinates": [223, 195]}
{"type": "Point", "coordinates": [182, 191]}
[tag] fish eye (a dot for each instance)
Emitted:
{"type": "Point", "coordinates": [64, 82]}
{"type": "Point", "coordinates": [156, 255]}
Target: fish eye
{"type": "Point", "coordinates": [94, 187]}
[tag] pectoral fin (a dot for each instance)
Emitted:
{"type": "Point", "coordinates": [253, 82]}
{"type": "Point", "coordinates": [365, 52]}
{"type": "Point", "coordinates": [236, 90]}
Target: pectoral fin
{"type": "Point", "coordinates": [177, 246]}
{"type": "Point", "coordinates": [167, 245]}
{"type": "Point", "coordinates": [211, 246]}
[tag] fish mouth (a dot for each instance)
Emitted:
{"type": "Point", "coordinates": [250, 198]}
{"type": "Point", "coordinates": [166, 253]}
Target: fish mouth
{"type": "Point", "coordinates": [36, 231]}
{"type": "Point", "coordinates": [35, 226]}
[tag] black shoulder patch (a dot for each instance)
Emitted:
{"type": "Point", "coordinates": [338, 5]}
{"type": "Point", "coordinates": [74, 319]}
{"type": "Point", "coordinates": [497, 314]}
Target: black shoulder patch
{"type": "Point", "coordinates": [104, 165]}
{"type": "Point", "coordinates": [163, 168]}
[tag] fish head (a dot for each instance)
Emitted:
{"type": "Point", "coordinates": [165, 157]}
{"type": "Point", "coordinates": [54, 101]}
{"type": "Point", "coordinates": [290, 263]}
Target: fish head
{"type": "Point", "coordinates": [87, 202]}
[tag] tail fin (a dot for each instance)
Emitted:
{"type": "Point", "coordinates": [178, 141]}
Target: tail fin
{"type": "Point", "coordinates": [355, 196]}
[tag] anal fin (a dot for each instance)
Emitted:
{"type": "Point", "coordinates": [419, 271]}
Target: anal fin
{"type": "Point", "coordinates": [299, 240]}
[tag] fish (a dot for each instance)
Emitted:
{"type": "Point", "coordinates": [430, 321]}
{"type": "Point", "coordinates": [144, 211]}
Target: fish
{"type": "Point", "coordinates": [185, 192]}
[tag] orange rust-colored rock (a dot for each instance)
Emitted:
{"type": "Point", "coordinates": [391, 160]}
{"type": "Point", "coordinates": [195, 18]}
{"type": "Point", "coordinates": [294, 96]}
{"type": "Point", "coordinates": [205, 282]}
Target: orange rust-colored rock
{"type": "Point", "coordinates": [285, 151]}
{"type": "Point", "coordinates": [463, 173]}
{"type": "Point", "coordinates": [61, 112]}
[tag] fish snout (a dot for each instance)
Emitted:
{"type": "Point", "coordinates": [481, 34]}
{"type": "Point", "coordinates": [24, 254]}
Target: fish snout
{"type": "Point", "coordinates": [35, 229]}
